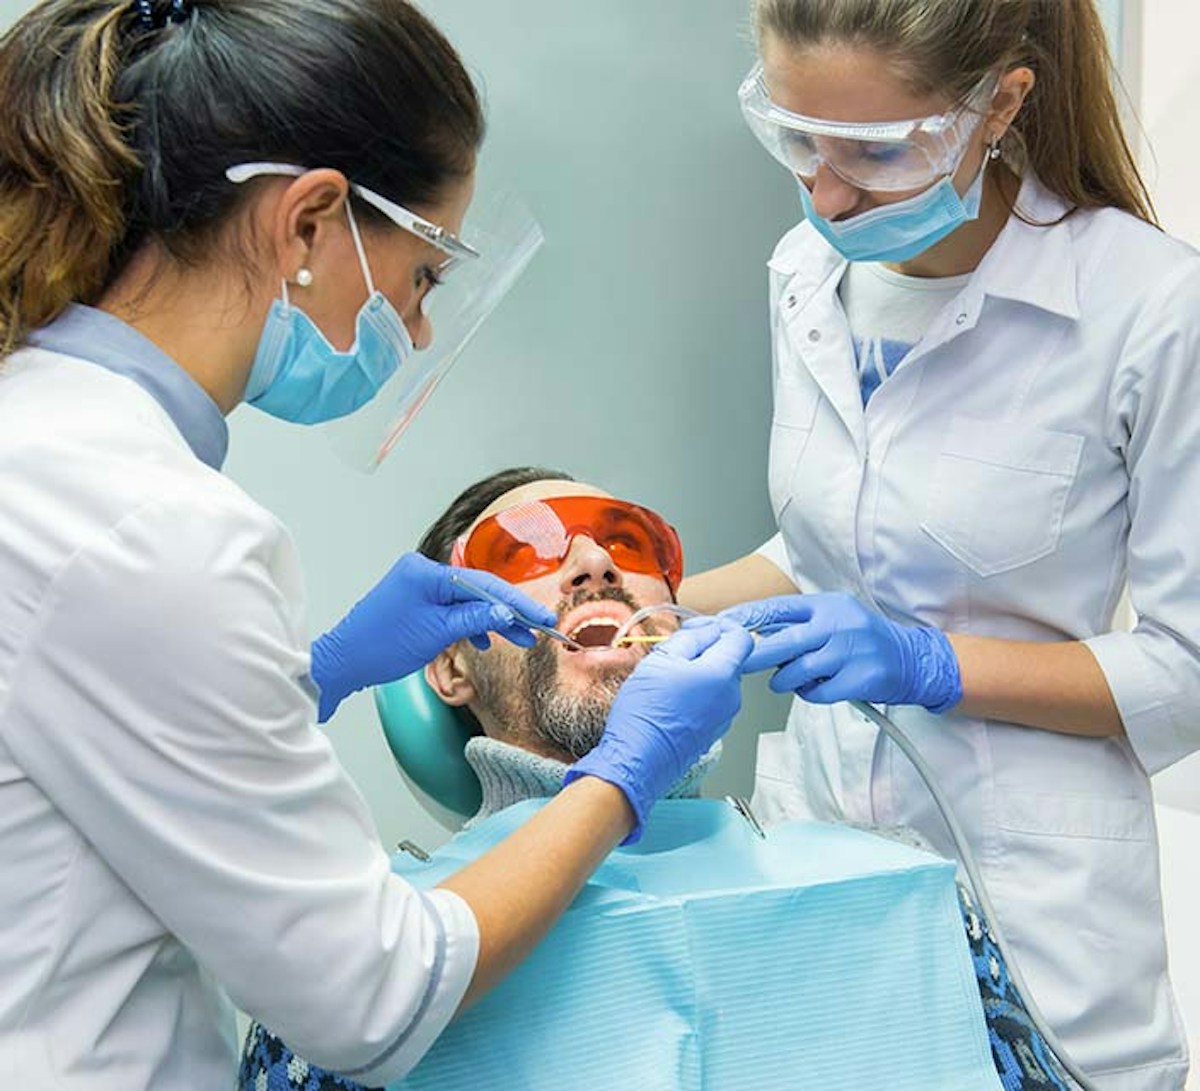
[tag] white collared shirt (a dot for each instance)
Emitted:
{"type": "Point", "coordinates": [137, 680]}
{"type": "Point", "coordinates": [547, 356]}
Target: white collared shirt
{"type": "Point", "coordinates": [1039, 447]}
{"type": "Point", "coordinates": [174, 830]}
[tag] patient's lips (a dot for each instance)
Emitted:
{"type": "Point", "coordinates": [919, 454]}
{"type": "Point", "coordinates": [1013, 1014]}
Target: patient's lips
{"type": "Point", "coordinates": [593, 624]}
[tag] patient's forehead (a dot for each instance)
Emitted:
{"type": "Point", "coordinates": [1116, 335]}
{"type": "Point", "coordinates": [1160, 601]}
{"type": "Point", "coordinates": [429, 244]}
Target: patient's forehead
{"type": "Point", "coordinates": [537, 490]}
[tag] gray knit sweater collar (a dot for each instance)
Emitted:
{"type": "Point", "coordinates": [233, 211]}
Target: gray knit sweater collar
{"type": "Point", "coordinates": [511, 775]}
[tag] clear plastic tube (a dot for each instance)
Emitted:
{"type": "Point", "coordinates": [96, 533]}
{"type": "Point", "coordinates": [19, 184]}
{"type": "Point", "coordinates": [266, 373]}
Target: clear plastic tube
{"type": "Point", "coordinates": [623, 635]}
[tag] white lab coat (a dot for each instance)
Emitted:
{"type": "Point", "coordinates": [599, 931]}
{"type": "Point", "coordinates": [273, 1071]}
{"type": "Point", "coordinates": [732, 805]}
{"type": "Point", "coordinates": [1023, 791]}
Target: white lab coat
{"type": "Point", "coordinates": [1039, 447]}
{"type": "Point", "coordinates": [173, 827]}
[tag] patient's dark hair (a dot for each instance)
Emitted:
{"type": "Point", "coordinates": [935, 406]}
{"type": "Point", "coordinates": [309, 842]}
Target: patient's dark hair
{"type": "Point", "coordinates": [438, 541]}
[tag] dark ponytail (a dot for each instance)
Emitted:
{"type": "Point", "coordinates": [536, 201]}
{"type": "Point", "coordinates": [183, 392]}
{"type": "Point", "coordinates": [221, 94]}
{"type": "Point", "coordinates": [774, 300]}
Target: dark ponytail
{"type": "Point", "coordinates": [120, 118]}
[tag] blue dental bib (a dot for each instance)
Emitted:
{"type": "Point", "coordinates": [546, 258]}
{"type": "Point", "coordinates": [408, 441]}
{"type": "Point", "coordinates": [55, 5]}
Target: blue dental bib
{"type": "Point", "coordinates": [706, 959]}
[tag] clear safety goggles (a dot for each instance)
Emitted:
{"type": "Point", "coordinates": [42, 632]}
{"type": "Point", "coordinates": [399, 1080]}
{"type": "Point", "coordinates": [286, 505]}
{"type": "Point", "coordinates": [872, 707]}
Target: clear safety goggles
{"type": "Point", "coordinates": [533, 539]}
{"type": "Point", "coordinates": [885, 156]}
{"type": "Point", "coordinates": [497, 243]}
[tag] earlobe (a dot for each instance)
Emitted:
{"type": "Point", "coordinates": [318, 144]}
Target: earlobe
{"type": "Point", "coordinates": [448, 678]}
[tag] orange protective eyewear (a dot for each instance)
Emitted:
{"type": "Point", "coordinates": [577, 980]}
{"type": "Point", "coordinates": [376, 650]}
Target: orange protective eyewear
{"type": "Point", "coordinates": [533, 539]}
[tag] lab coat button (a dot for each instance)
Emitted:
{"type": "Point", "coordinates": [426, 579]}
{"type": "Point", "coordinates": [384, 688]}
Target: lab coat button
{"type": "Point", "coordinates": [814, 336]}
{"type": "Point", "coordinates": [961, 319]}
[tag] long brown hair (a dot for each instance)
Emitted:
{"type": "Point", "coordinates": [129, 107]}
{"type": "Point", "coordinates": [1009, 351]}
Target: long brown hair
{"type": "Point", "coordinates": [1069, 129]}
{"type": "Point", "coordinates": [120, 119]}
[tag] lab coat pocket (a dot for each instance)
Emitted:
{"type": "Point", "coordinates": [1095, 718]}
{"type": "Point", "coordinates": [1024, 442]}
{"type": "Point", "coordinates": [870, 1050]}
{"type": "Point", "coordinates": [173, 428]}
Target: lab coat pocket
{"type": "Point", "coordinates": [1075, 816]}
{"type": "Point", "coordinates": [791, 427]}
{"type": "Point", "coordinates": [998, 492]}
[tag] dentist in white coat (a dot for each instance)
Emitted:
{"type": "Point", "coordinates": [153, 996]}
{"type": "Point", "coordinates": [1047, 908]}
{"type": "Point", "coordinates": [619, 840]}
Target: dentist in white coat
{"type": "Point", "coordinates": [200, 204]}
{"type": "Point", "coordinates": [986, 425]}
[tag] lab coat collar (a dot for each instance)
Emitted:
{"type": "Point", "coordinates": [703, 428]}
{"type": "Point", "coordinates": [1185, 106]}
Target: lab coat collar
{"type": "Point", "coordinates": [807, 261]}
{"type": "Point", "coordinates": [1032, 263]}
{"type": "Point", "coordinates": [103, 339]}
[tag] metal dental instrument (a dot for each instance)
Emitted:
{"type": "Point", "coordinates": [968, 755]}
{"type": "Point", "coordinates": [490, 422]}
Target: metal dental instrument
{"type": "Point", "coordinates": [622, 638]}
{"type": "Point", "coordinates": [477, 592]}
{"type": "Point", "coordinates": [742, 805]}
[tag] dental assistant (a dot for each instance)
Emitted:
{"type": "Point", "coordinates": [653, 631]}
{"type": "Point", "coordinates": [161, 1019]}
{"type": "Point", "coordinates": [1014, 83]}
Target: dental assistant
{"type": "Point", "coordinates": [200, 204]}
{"type": "Point", "coordinates": [986, 374]}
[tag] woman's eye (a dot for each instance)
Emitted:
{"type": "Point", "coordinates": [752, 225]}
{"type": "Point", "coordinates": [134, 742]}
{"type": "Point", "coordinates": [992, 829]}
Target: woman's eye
{"type": "Point", "coordinates": [427, 278]}
{"type": "Point", "coordinates": [799, 142]}
{"type": "Point", "coordinates": [883, 153]}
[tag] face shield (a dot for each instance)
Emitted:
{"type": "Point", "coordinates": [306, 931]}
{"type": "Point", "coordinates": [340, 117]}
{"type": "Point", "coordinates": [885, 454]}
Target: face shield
{"type": "Point", "coordinates": [505, 237]}
{"type": "Point", "coordinates": [884, 157]}
{"type": "Point", "coordinates": [497, 242]}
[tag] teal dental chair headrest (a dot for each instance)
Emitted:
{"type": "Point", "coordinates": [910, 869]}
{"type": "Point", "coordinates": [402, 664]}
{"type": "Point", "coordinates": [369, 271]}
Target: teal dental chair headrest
{"type": "Point", "coordinates": [426, 737]}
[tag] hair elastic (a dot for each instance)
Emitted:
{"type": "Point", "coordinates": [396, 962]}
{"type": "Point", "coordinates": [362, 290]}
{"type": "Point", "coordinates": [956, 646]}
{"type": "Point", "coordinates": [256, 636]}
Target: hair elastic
{"type": "Point", "coordinates": [156, 14]}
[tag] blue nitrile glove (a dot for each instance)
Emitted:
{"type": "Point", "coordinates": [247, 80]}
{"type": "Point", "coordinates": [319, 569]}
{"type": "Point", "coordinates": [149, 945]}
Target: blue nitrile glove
{"type": "Point", "coordinates": [836, 649]}
{"type": "Point", "coordinates": [410, 616]}
{"type": "Point", "coordinates": [678, 701]}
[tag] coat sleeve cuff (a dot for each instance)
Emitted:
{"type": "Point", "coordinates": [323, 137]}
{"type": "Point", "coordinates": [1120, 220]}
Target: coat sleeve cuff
{"type": "Point", "coordinates": [450, 980]}
{"type": "Point", "coordinates": [1143, 700]}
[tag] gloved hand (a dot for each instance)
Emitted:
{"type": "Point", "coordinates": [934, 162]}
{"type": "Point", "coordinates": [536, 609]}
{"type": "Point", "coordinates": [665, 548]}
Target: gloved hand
{"type": "Point", "coordinates": [678, 701]}
{"type": "Point", "coordinates": [413, 613]}
{"type": "Point", "coordinates": [834, 648]}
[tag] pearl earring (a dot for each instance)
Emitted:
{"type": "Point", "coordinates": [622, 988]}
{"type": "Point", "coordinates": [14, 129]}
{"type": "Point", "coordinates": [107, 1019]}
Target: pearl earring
{"type": "Point", "coordinates": [994, 153]}
{"type": "Point", "coordinates": [304, 278]}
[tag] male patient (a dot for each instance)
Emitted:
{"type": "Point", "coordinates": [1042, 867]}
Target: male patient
{"type": "Point", "coordinates": [539, 709]}
{"type": "Point", "coordinates": [596, 560]}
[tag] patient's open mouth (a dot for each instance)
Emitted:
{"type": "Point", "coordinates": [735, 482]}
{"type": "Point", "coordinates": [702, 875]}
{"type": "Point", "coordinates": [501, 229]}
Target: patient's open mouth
{"type": "Point", "coordinates": [595, 632]}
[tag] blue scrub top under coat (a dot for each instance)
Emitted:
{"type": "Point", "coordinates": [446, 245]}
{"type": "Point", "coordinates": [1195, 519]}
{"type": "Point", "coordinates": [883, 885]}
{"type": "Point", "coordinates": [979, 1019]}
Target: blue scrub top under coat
{"type": "Point", "coordinates": [103, 339]}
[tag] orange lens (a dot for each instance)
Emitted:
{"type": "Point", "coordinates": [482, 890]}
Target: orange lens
{"type": "Point", "coordinates": [531, 540]}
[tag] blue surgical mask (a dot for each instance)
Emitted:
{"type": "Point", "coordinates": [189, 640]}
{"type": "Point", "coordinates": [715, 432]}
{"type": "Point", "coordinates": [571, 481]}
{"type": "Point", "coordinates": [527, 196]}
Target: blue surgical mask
{"type": "Point", "coordinates": [299, 376]}
{"type": "Point", "coordinates": [899, 231]}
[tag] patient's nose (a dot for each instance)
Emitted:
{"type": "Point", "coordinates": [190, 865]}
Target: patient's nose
{"type": "Point", "coordinates": [588, 566]}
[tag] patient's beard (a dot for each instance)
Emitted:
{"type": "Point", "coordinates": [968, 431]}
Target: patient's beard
{"type": "Point", "coordinates": [526, 697]}
{"type": "Point", "coordinates": [570, 721]}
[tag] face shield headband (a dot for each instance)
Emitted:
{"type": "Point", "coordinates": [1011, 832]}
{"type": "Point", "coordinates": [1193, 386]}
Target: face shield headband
{"type": "Point", "coordinates": [886, 156]}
